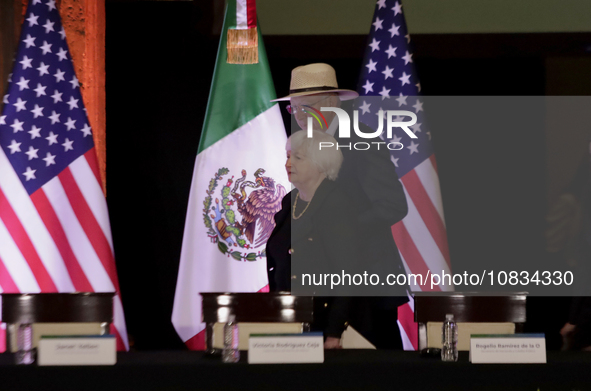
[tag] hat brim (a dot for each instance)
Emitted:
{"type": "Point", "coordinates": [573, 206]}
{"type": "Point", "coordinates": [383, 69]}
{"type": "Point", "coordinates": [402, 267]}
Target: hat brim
{"type": "Point", "coordinates": [343, 94]}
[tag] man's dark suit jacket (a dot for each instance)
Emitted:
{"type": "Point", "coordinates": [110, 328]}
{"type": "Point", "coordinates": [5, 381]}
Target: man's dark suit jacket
{"type": "Point", "coordinates": [370, 180]}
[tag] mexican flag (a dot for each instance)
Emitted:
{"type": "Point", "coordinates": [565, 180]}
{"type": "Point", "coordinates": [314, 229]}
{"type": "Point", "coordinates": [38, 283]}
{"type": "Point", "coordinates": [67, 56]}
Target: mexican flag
{"type": "Point", "coordinates": [239, 177]}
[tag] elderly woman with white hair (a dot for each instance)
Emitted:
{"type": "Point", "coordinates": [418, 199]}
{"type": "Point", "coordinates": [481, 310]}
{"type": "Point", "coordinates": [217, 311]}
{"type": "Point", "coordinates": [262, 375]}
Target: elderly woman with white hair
{"type": "Point", "coordinates": [314, 228]}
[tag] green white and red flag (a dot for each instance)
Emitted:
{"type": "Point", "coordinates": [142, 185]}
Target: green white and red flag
{"type": "Point", "coordinates": [239, 177]}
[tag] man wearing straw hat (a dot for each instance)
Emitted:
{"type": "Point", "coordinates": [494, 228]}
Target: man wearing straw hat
{"type": "Point", "coordinates": [369, 178]}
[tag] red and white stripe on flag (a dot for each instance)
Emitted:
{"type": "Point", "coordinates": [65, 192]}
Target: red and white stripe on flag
{"type": "Point", "coordinates": [58, 239]}
{"type": "Point", "coordinates": [246, 14]}
{"type": "Point", "coordinates": [422, 240]}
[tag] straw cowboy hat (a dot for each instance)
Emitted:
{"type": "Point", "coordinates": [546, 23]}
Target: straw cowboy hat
{"type": "Point", "coordinates": [315, 79]}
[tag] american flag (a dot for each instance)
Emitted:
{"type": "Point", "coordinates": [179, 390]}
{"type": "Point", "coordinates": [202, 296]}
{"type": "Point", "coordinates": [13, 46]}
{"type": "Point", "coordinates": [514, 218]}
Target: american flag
{"type": "Point", "coordinates": [55, 234]}
{"type": "Point", "coordinates": [389, 73]}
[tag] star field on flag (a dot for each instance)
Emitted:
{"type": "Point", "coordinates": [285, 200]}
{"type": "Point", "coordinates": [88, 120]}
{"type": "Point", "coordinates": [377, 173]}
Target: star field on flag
{"type": "Point", "coordinates": [43, 127]}
{"type": "Point", "coordinates": [388, 72]}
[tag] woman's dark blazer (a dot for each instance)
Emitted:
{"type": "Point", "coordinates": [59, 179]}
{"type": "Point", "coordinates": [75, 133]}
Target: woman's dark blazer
{"type": "Point", "coordinates": [324, 240]}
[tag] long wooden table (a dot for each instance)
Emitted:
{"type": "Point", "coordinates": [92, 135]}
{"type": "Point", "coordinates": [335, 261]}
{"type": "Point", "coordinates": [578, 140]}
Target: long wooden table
{"type": "Point", "coordinates": [342, 370]}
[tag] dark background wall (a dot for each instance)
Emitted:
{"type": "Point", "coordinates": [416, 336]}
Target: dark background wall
{"type": "Point", "coordinates": [160, 58]}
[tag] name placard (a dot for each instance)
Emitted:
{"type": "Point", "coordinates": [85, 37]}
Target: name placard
{"type": "Point", "coordinates": [77, 350]}
{"type": "Point", "coordinates": [508, 348]}
{"type": "Point", "coordinates": [285, 348]}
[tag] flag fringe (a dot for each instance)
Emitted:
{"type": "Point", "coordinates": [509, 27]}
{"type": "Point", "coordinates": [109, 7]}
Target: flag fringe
{"type": "Point", "coordinates": [243, 46]}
